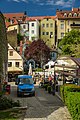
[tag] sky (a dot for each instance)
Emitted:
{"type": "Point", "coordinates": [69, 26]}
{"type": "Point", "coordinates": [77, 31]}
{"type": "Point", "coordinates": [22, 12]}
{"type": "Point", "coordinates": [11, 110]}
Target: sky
{"type": "Point", "coordinates": [37, 7]}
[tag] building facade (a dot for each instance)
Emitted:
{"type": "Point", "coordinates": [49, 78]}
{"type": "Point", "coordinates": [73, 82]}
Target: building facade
{"type": "Point", "coordinates": [15, 62]}
{"type": "Point", "coordinates": [66, 21]}
{"type": "Point", "coordinates": [47, 30]}
{"type": "Point", "coordinates": [33, 30]}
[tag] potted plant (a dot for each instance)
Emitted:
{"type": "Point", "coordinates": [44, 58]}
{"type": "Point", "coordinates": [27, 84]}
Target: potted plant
{"type": "Point", "coordinates": [45, 86]}
{"type": "Point", "coordinates": [49, 89]}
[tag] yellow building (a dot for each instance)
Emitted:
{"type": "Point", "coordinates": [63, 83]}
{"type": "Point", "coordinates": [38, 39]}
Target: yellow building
{"type": "Point", "coordinates": [47, 30]}
{"type": "Point", "coordinates": [13, 27]}
{"type": "Point", "coordinates": [67, 20]}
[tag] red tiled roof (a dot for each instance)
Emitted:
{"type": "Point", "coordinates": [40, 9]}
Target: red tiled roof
{"type": "Point", "coordinates": [9, 23]}
{"type": "Point", "coordinates": [39, 18]}
{"type": "Point", "coordinates": [60, 13]}
{"type": "Point", "coordinates": [13, 15]}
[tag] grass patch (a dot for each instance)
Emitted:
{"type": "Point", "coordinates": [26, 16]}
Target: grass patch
{"type": "Point", "coordinates": [12, 114]}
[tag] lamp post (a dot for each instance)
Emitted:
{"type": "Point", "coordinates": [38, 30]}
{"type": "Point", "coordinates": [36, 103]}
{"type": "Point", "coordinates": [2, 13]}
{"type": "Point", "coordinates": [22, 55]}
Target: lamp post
{"type": "Point", "coordinates": [63, 82]}
{"type": "Point", "coordinates": [63, 74]}
{"type": "Point", "coordinates": [54, 83]}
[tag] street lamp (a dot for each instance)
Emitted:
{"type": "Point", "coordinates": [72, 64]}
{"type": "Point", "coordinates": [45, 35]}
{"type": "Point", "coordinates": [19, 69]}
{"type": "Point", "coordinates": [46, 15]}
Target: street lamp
{"type": "Point", "coordinates": [63, 74]}
{"type": "Point", "coordinates": [54, 84]}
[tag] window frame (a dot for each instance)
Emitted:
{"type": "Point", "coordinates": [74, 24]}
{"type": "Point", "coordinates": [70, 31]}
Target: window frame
{"type": "Point", "coordinates": [10, 53]}
{"type": "Point", "coordinates": [17, 65]}
{"type": "Point", "coordinates": [9, 64]}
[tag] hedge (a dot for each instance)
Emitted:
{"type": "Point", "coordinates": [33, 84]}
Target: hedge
{"type": "Point", "coordinates": [71, 96]}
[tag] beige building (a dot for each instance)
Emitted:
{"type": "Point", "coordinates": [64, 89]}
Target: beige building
{"type": "Point", "coordinates": [47, 30]}
{"type": "Point", "coordinates": [15, 62]}
{"type": "Point", "coordinates": [66, 21]}
{"type": "Point", "coordinates": [12, 21]}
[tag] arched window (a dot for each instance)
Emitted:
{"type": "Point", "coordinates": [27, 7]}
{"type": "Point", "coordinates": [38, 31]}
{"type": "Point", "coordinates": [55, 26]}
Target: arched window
{"type": "Point", "coordinates": [79, 14]}
{"type": "Point", "coordinates": [70, 14]}
{"type": "Point", "coordinates": [65, 15]}
{"type": "Point", "coordinates": [75, 15]}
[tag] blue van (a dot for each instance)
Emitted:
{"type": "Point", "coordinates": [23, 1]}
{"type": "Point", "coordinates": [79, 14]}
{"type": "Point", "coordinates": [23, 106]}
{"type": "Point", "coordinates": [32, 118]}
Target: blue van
{"type": "Point", "coordinates": [25, 85]}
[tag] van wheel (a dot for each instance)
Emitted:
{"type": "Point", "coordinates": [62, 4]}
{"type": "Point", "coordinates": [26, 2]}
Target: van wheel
{"type": "Point", "coordinates": [18, 95]}
{"type": "Point", "coordinates": [34, 94]}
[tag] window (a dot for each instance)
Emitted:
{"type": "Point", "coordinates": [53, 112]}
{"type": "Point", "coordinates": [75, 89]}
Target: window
{"type": "Point", "coordinates": [47, 25]}
{"type": "Point", "coordinates": [75, 15]}
{"type": "Point", "coordinates": [68, 29]}
{"type": "Point", "coordinates": [62, 26]}
{"type": "Point", "coordinates": [70, 14]}
{"type": "Point", "coordinates": [62, 35]}
{"type": "Point", "coordinates": [9, 64]}
{"type": "Point", "coordinates": [10, 53]}
{"type": "Point", "coordinates": [65, 15]}
{"type": "Point", "coordinates": [43, 25]}
{"type": "Point", "coordinates": [32, 24]}
{"type": "Point", "coordinates": [43, 33]}
{"type": "Point", "coordinates": [51, 33]}
{"type": "Point", "coordinates": [17, 64]}
{"type": "Point", "coordinates": [79, 14]}
{"type": "Point", "coordinates": [47, 33]}
{"type": "Point", "coordinates": [32, 31]}
{"type": "Point", "coordinates": [62, 21]}
{"type": "Point", "coordinates": [51, 25]}
{"type": "Point", "coordinates": [24, 26]}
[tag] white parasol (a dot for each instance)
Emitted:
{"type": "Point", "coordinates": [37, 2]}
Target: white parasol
{"type": "Point", "coordinates": [30, 69]}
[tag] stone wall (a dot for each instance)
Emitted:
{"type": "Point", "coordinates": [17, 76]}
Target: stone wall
{"type": "Point", "coordinates": [3, 49]}
{"type": "Point", "coordinates": [12, 38]}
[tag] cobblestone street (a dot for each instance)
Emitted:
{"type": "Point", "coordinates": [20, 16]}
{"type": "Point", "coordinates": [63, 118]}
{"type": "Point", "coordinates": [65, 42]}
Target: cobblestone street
{"type": "Point", "coordinates": [43, 106]}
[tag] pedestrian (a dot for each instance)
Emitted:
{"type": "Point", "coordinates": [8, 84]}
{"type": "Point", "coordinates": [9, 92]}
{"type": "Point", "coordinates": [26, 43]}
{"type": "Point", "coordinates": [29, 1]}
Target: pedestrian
{"type": "Point", "coordinates": [50, 78]}
{"type": "Point", "coordinates": [53, 88]}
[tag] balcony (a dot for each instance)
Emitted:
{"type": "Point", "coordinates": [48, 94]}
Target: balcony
{"type": "Point", "coordinates": [75, 25]}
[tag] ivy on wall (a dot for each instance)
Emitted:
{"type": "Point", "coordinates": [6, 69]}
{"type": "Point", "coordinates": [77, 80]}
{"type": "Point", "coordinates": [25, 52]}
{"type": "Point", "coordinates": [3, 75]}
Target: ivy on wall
{"type": "Point", "coordinates": [3, 48]}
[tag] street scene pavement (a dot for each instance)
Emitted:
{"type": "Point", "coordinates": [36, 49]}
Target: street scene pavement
{"type": "Point", "coordinates": [43, 106]}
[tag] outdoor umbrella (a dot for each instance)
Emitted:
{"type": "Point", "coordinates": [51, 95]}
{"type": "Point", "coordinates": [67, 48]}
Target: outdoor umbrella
{"type": "Point", "coordinates": [30, 69]}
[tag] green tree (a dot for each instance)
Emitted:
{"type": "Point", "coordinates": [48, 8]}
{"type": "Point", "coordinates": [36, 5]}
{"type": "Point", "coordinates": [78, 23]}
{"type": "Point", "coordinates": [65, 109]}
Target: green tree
{"type": "Point", "coordinates": [19, 38]}
{"type": "Point", "coordinates": [38, 51]}
{"type": "Point", "coordinates": [70, 44]}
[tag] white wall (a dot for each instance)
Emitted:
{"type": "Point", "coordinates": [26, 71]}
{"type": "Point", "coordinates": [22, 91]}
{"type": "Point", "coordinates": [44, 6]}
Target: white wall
{"type": "Point", "coordinates": [35, 28]}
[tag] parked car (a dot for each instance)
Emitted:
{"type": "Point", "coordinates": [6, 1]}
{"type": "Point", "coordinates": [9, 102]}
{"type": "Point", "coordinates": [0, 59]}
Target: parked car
{"type": "Point", "coordinates": [69, 81]}
{"type": "Point", "coordinates": [25, 85]}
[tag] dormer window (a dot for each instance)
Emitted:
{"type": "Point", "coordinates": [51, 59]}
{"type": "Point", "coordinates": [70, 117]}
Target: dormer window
{"type": "Point", "coordinates": [65, 15]}
{"type": "Point", "coordinates": [70, 14]}
{"type": "Point", "coordinates": [75, 15]}
{"type": "Point", "coordinates": [79, 14]}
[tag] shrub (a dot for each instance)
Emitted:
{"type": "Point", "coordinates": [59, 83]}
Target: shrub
{"type": "Point", "coordinates": [73, 104]}
{"type": "Point", "coordinates": [45, 86]}
{"type": "Point", "coordinates": [71, 97]}
{"type": "Point", "coordinates": [1, 93]}
{"type": "Point", "coordinates": [6, 103]}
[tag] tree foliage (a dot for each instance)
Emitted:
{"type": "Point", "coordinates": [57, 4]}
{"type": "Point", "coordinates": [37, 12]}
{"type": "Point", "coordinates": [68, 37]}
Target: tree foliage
{"type": "Point", "coordinates": [70, 44]}
{"type": "Point", "coordinates": [19, 38]}
{"type": "Point", "coordinates": [38, 51]}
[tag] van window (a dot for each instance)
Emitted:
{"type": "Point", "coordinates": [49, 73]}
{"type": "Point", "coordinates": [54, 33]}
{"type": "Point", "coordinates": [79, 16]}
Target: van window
{"type": "Point", "coordinates": [25, 81]}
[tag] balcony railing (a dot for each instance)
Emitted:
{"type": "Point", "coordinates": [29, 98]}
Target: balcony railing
{"type": "Point", "coordinates": [75, 25]}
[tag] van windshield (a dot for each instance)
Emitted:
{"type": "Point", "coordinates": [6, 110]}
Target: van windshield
{"type": "Point", "coordinates": [25, 81]}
